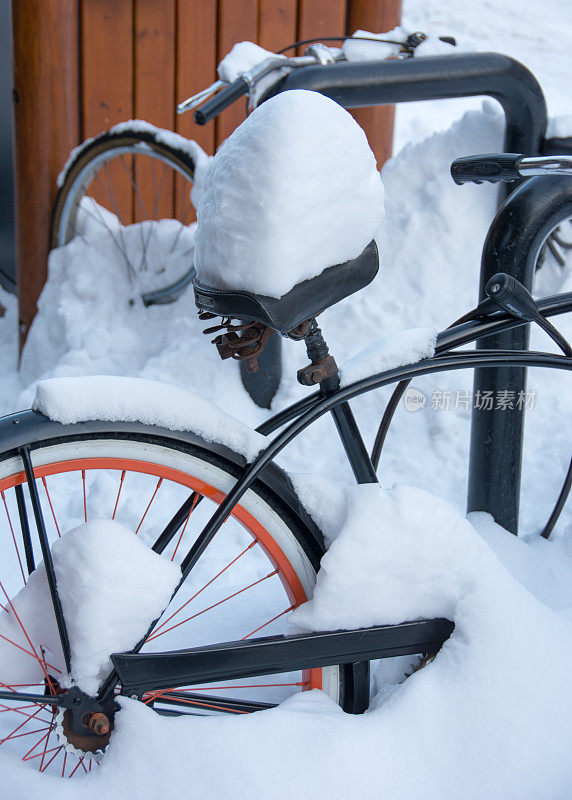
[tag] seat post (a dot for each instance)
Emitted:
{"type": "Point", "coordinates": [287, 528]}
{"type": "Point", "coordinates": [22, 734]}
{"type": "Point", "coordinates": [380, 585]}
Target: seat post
{"type": "Point", "coordinates": [323, 370]}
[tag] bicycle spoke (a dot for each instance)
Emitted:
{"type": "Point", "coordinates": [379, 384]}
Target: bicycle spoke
{"type": "Point", "coordinates": [79, 763]}
{"type": "Point", "coordinates": [58, 750]}
{"type": "Point", "coordinates": [141, 205]}
{"type": "Point", "coordinates": [184, 528]}
{"type": "Point", "coordinates": [212, 580]}
{"type": "Point", "coordinates": [14, 541]}
{"type": "Point", "coordinates": [84, 496]}
{"type": "Point", "coordinates": [130, 269]}
{"type": "Point", "coordinates": [110, 193]}
{"type": "Point", "coordinates": [215, 605]}
{"type": "Point", "coordinates": [45, 484]}
{"type": "Point", "coordinates": [118, 493]}
{"type": "Point", "coordinates": [43, 663]}
{"type": "Point", "coordinates": [183, 221]}
{"type": "Point", "coordinates": [159, 482]}
{"type": "Point", "coordinates": [291, 608]}
{"type": "Point", "coordinates": [22, 724]}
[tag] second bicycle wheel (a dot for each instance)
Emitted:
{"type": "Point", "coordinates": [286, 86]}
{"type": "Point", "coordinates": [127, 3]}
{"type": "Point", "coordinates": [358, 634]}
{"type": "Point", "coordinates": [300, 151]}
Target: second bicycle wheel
{"type": "Point", "coordinates": [132, 186]}
{"type": "Point", "coordinates": [260, 565]}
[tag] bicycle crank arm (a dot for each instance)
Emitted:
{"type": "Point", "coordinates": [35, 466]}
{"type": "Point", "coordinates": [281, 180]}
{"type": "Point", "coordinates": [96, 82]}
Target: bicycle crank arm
{"type": "Point", "coordinates": [140, 672]}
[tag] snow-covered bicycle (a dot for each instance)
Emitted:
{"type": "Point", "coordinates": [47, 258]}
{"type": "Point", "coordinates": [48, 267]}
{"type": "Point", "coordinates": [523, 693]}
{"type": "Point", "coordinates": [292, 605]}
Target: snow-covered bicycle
{"type": "Point", "coordinates": [151, 547]}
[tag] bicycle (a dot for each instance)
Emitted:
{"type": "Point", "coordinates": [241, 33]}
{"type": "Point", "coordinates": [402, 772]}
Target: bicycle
{"type": "Point", "coordinates": [97, 459]}
{"type": "Point", "coordinates": [120, 183]}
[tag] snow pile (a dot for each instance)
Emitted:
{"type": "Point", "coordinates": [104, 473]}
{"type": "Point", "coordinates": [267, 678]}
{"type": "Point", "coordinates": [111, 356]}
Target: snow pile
{"type": "Point", "coordinates": [360, 46]}
{"type": "Point", "coordinates": [491, 716]}
{"type": "Point", "coordinates": [114, 399]}
{"type": "Point", "coordinates": [395, 350]}
{"type": "Point", "coordinates": [292, 191]}
{"type": "Point", "coordinates": [111, 585]}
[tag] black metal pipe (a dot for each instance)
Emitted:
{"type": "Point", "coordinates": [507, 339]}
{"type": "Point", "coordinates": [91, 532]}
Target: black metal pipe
{"type": "Point", "coordinates": [517, 232]}
{"type": "Point", "coordinates": [518, 92]}
{"type": "Point", "coordinates": [373, 83]}
{"type": "Point", "coordinates": [444, 363]}
{"type": "Point", "coordinates": [353, 444]}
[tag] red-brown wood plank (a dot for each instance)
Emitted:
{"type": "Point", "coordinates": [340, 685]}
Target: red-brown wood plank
{"type": "Point", "coordinates": [195, 69]}
{"type": "Point", "coordinates": [107, 84]}
{"type": "Point", "coordinates": [378, 123]}
{"type": "Point", "coordinates": [277, 23]}
{"type": "Point", "coordinates": [237, 22]}
{"type": "Point", "coordinates": [46, 57]}
{"type": "Point", "coordinates": [318, 18]}
{"type": "Point", "coordinates": [154, 100]}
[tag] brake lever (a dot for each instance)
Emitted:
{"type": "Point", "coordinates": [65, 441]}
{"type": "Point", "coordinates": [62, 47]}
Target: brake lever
{"type": "Point", "coordinates": [200, 97]}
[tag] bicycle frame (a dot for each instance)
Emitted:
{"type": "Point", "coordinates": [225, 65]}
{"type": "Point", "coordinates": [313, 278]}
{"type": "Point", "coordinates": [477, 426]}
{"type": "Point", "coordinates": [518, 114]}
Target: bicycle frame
{"type": "Point", "coordinates": [142, 672]}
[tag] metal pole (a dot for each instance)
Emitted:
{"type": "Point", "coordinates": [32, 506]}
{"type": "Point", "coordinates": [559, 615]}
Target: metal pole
{"type": "Point", "coordinates": [496, 437]}
{"type": "Point", "coordinates": [515, 236]}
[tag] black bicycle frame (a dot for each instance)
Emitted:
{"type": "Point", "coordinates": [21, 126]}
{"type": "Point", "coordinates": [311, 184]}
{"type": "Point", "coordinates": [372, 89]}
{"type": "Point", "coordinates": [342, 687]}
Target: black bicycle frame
{"type": "Point", "coordinates": [140, 672]}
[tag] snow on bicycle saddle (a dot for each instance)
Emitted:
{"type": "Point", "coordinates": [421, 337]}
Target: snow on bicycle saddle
{"type": "Point", "coordinates": [291, 203]}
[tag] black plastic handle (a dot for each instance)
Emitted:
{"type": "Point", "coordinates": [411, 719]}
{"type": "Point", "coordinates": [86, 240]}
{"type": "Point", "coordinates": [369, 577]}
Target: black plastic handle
{"type": "Point", "coordinates": [493, 167]}
{"type": "Point", "coordinates": [220, 101]}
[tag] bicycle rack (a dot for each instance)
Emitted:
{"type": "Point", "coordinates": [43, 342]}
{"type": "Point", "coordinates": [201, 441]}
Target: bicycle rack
{"type": "Point", "coordinates": [496, 436]}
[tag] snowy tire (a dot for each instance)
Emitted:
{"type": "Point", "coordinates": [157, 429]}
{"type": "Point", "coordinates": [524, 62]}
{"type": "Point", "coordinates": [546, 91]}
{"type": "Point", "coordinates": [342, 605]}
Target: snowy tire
{"type": "Point", "coordinates": [261, 564]}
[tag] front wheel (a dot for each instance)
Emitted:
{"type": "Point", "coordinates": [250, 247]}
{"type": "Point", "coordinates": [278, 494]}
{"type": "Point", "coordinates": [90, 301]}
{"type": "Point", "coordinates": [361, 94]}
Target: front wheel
{"type": "Point", "coordinates": [149, 498]}
{"type": "Point", "coordinates": [127, 194]}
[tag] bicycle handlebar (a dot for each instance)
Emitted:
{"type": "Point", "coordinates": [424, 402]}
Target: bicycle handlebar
{"type": "Point", "coordinates": [222, 100]}
{"type": "Point", "coordinates": [491, 168]}
{"type": "Point", "coordinates": [508, 167]}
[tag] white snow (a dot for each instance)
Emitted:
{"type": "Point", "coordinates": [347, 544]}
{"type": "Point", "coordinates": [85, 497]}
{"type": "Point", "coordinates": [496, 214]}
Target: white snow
{"type": "Point", "coordinates": [292, 191]}
{"type": "Point", "coordinates": [242, 58]}
{"type": "Point", "coordinates": [111, 586]}
{"type": "Point", "coordinates": [359, 49]}
{"type": "Point", "coordinates": [490, 717]}
{"type": "Point", "coordinates": [559, 127]}
{"type": "Point", "coordinates": [395, 350]}
{"type": "Point", "coordinates": [112, 398]}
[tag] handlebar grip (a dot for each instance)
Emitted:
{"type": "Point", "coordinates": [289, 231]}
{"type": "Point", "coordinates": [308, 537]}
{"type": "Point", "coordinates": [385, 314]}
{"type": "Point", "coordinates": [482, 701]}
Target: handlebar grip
{"type": "Point", "coordinates": [493, 168]}
{"type": "Point", "coordinates": [220, 101]}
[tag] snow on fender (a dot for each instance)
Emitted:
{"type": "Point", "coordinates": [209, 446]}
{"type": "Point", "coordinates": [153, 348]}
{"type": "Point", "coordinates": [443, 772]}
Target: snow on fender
{"type": "Point", "coordinates": [109, 398]}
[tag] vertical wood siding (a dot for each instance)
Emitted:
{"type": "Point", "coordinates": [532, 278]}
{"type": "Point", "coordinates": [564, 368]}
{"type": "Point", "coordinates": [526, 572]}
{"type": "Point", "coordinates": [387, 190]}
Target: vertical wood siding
{"type": "Point", "coordinates": [101, 62]}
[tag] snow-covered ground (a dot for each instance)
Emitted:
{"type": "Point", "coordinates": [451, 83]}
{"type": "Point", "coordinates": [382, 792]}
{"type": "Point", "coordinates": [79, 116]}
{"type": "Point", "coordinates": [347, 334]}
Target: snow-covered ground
{"type": "Point", "coordinates": [491, 716]}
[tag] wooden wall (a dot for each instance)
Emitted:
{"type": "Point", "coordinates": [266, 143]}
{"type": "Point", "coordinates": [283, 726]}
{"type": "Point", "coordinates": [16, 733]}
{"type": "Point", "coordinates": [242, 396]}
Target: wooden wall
{"type": "Point", "coordinates": [83, 65]}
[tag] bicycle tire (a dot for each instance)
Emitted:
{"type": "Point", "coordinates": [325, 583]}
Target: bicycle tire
{"type": "Point", "coordinates": [100, 465]}
{"type": "Point", "coordinates": [111, 173]}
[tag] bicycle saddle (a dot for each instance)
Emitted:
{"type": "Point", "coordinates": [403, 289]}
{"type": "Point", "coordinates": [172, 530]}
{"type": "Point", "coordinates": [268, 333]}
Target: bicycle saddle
{"type": "Point", "coordinates": [291, 203]}
{"type": "Point", "coordinates": [303, 301]}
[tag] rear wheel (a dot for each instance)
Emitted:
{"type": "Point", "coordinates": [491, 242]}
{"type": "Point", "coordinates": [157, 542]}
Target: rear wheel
{"type": "Point", "coordinates": [261, 564]}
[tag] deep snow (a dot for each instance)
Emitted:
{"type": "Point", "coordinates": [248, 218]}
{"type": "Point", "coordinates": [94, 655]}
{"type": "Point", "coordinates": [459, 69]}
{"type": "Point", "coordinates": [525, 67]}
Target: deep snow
{"type": "Point", "coordinates": [491, 715]}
